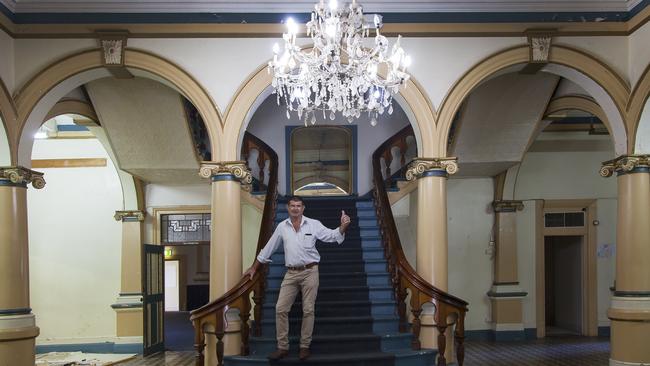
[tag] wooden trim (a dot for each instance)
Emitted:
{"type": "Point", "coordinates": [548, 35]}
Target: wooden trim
{"type": "Point", "coordinates": [68, 163]}
{"type": "Point", "coordinates": [540, 282]}
{"type": "Point", "coordinates": [589, 265]}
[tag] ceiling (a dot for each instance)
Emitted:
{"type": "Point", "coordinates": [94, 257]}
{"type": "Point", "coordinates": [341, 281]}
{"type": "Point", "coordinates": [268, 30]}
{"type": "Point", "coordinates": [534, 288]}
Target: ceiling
{"type": "Point", "coordinates": [303, 6]}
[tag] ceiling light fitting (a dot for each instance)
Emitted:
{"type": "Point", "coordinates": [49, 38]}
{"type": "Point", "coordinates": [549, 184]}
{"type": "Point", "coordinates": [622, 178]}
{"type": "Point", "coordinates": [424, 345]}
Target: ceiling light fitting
{"type": "Point", "coordinates": [338, 74]}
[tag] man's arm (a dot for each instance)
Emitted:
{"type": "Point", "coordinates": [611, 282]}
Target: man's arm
{"type": "Point", "coordinates": [265, 254]}
{"type": "Point", "coordinates": [333, 235]}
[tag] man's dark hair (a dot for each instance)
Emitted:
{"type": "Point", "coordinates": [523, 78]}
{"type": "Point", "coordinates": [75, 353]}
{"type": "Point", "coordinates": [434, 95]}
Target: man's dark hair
{"type": "Point", "coordinates": [296, 199]}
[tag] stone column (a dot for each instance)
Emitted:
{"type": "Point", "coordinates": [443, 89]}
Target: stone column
{"type": "Point", "coordinates": [431, 241]}
{"type": "Point", "coordinates": [18, 329]}
{"type": "Point", "coordinates": [630, 308]}
{"type": "Point", "coordinates": [225, 242]}
{"type": "Point", "coordinates": [506, 295]}
{"type": "Point", "coordinates": [129, 302]}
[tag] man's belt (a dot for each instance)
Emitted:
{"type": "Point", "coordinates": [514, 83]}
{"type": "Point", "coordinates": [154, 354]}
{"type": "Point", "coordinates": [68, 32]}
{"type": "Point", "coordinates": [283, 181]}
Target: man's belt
{"type": "Point", "coordinates": [302, 268]}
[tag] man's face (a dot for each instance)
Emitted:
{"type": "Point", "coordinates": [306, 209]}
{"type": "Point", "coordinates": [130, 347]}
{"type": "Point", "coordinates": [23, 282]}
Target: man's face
{"type": "Point", "coordinates": [295, 208]}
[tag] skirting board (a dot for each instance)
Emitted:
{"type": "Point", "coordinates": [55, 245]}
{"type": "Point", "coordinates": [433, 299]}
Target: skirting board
{"type": "Point", "coordinates": [103, 347]}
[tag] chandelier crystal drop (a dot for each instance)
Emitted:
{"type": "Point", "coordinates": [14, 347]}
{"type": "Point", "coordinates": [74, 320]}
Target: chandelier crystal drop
{"type": "Point", "coordinates": [339, 73]}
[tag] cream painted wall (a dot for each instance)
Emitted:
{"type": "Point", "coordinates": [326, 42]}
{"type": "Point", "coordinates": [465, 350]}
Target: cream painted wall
{"type": "Point", "coordinates": [642, 145]}
{"type": "Point", "coordinates": [75, 244]}
{"type": "Point", "coordinates": [5, 155]}
{"type": "Point", "coordinates": [566, 176]}
{"type": "Point", "coordinates": [470, 221]}
{"type": "Point", "coordinates": [613, 51]}
{"type": "Point", "coordinates": [32, 55]}
{"type": "Point", "coordinates": [526, 261]}
{"type": "Point", "coordinates": [7, 60]}
{"type": "Point", "coordinates": [158, 195]}
{"type": "Point", "coordinates": [434, 67]}
{"type": "Point", "coordinates": [469, 229]}
{"type": "Point", "coordinates": [639, 57]}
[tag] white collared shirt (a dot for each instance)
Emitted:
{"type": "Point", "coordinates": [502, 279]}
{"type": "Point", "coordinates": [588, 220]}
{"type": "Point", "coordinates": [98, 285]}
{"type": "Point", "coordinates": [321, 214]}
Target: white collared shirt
{"type": "Point", "coordinates": [300, 246]}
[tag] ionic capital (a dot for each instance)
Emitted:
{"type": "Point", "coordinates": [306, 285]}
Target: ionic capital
{"type": "Point", "coordinates": [21, 176]}
{"type": "Point", "coordinates": [132, 215]}
{"type": "Point", "coordinates": [624, 164]}
{"type": "Point", "coordinates": [232, 170]}
{"type": "Point", "coordinates": [418, 166]}
{"type": "Point", "coordinates": [507, 206]}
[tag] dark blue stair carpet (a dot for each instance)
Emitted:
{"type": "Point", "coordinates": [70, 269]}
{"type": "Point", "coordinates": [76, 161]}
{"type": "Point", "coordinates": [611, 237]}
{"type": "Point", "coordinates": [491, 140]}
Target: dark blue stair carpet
{"type": "Point", "coordinates": [356, 322]}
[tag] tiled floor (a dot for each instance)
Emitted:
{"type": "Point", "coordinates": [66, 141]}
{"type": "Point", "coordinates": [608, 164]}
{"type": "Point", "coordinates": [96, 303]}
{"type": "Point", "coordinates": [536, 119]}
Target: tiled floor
{"type": "Point", "coordinates": [548, 352]}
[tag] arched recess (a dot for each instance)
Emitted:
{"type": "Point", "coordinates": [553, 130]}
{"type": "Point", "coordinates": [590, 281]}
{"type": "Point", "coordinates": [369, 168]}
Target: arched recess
{"type": "Point", "coordinates": [8, 119]}
{"type": "Point", "coordinates": [130, 194]}
{"type": "Point", "coordinates": [411, 97]}
{"type": "Point", "coordinates": [41, 93]}
{"type": "Point", "coordinates": [639, 114]}
{"type": "Point", "coordinates": [604, 84]}
{"type": "Point", "coordinates": [580, 103]}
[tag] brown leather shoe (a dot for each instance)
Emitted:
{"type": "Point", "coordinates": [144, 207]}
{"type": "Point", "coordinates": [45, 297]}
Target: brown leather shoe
{"type": "Point", "coordinates": [304, 354]}
{"type": "Point", "coordinates": [278, 354]}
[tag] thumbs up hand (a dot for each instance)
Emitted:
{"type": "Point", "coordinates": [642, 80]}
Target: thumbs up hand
{"type": "Point", "coordinates": [345, 222]}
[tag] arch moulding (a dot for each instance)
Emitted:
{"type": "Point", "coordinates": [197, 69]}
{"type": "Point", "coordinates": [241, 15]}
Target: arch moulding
{"type": "Point", "coordinates": [38, 87]}
{"type": "Point", "coordinates": [615, 87]}
{"type": "Point", "coordinates": [71, 106]}
{"type": "Point", "coordinates": [245, 98]}
{"type": "Point", "coordinates": [9, 117]}
{"type": "Point", "coordinates": [578, 102]}
{"type": "Point", "coordinates": [637, 102]}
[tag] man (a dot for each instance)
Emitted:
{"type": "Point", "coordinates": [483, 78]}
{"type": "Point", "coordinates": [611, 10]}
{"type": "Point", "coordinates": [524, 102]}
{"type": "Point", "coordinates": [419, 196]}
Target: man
{"type": "Point", "coordinates": [298, 234]}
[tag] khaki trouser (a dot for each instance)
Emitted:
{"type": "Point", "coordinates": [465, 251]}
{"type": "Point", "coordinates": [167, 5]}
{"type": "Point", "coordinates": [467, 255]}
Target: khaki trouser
{"type": "Point", "coordinates": [307, 281]}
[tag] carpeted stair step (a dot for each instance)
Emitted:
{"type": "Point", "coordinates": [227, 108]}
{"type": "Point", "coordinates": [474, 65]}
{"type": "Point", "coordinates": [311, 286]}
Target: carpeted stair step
{"type": "Point", "coordinates": [339, 325]}
{"type": "Point", "coordinates": [340, 292]}
{"type": "Point", "coordinates": [335, 279]}
{"type": "Point", "coordinates": [369, 265]}
{"type": "Point", "coordinates": [337, 308]}
{"type": "Point", "coordinates": [332, 253]}
{"type": "Point", "coordinates": [343, 359]}
{"type": "Point", "coordinates": [338, 343]}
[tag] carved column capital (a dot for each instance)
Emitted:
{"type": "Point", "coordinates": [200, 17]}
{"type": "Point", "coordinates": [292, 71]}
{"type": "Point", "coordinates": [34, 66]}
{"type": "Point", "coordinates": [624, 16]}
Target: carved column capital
{"type": "Point", "coordinates": [129, 215]}
{"type": "Point", "coordinates": [507, 206]}
{"type": "Point", "coordinates": [226, 170]}
{"type": "Point", "coordinates": [626, 164]}
{"type": "Point", "coordinates": [21, 176]}
{"type": "Point", "coordinates": [419, 166]}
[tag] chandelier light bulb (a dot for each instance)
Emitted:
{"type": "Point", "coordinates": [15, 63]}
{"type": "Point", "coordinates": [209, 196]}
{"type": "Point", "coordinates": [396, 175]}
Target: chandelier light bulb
{"type": "Point", "coordinates": [340, 73]}
{"type": "Point", "coordinates": [292, 27]}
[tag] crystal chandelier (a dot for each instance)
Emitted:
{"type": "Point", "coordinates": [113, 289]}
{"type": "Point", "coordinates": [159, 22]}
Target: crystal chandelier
{"type": "Point", "coordinates": [338, 74]}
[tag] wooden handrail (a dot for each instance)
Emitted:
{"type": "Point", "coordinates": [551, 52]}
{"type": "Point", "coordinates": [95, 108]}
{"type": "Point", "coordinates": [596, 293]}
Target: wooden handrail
{"type": "Point", "coordinates": [213, 314]}
{"type": "Point", "coordinates": [404, 278]}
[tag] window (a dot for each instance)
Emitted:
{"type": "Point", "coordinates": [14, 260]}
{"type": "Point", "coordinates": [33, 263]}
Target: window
{"type": "Point", "coordinates": [185, 228]}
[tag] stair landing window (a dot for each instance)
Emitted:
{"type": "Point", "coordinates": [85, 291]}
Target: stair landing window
{"type": "Point", "coordinates": [321, 161]}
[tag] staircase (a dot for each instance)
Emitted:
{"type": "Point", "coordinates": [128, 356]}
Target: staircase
{"type": "Point", "coordinates": [356, 313]}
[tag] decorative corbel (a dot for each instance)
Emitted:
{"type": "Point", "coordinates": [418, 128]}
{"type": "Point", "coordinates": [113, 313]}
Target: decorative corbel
{"type": "Point", "coordinates": [113, 45]}
{"type": "Point", "coordinates": [539, 49]}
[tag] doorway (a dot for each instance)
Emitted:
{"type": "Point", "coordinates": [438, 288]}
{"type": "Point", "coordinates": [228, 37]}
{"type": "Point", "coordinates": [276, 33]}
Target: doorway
{"type": "Point", "coordinates": [563, 280]}
{"type": "Point", "coordinates": [565, 268]}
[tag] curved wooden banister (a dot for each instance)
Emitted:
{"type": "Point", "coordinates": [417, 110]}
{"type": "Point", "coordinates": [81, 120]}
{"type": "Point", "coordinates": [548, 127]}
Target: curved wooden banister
{"type": "Point", "coordinates": [211, 318]}
{"type": "Point", "coordinates": [403, 277]}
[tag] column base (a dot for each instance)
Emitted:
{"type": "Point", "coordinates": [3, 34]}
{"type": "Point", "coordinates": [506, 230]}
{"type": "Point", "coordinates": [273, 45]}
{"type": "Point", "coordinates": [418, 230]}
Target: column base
{"type": "Point", "coordinates": [17, 339]}
{"type": "Point", "coordinates": [128, 309]}
{"type": "Point", "coordinates": [507, 314]}
{"type": "Point", "coordinates": [630, 330]}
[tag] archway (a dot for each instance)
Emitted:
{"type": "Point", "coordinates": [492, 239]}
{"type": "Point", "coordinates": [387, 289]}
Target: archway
{"type": "Point", "coordinates": [253, 92]}
{"type": "Point", "coordinates": [639, 114]}
{"type": "Point", "coordinates": [605, 86]}
{"type": "Point", "coordinates": [41, 93]}
{"type": "Point", "coordinates": [7, 116]}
